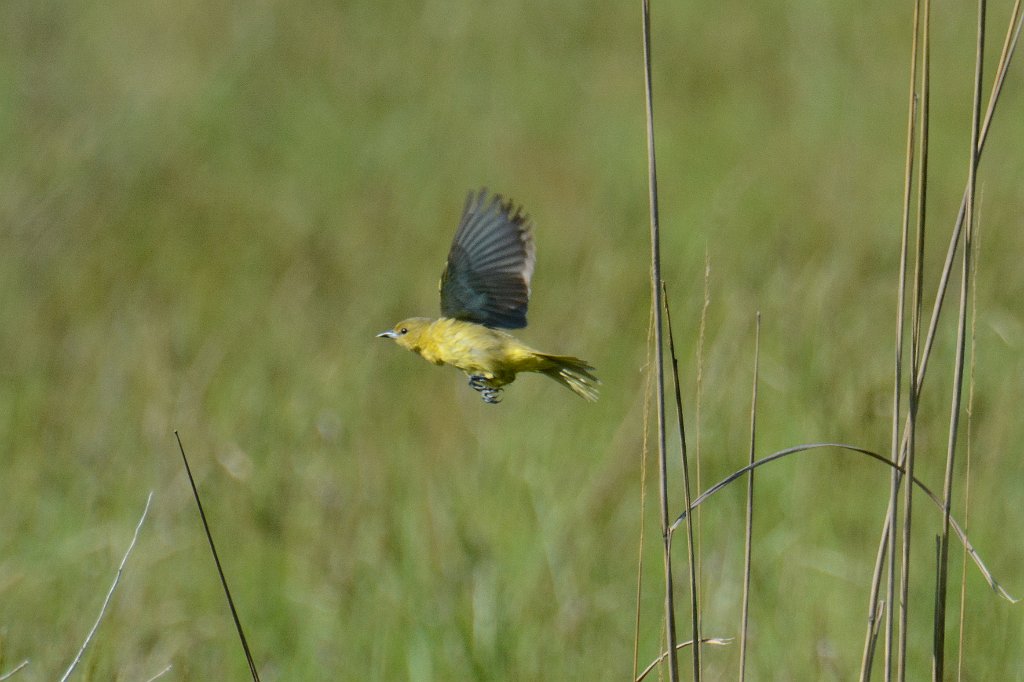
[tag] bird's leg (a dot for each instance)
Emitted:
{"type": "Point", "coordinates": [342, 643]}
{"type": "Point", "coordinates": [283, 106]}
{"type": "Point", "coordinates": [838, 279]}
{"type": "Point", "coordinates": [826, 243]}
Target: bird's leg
{"type": "Point", "coordinates": [491, 395]}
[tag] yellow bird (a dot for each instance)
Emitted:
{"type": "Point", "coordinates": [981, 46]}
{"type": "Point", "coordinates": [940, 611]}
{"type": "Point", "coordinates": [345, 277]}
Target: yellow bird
{"type": "Point", "coordinates": [485, 288]}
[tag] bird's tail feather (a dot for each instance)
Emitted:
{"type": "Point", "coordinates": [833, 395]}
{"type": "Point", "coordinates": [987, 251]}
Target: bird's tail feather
{"type": "Point", "coordinates": [573, 373]}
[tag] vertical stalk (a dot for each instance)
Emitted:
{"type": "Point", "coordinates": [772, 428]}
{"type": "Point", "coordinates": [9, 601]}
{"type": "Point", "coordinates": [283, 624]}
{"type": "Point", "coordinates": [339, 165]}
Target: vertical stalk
{"type": "Point", "coordinates": [939, 647]}
{"type": "Point", "coordinates": [656, 304]}
{"type": "Point", "coordinates": [915, 341]}
{"type": "Point", "coordinates": [749, 525]}
{"type": "Point", "coordinates": [690, 547]}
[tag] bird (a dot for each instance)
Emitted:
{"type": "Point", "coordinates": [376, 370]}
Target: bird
{"type": "Point", "coordinates": [485, 289]}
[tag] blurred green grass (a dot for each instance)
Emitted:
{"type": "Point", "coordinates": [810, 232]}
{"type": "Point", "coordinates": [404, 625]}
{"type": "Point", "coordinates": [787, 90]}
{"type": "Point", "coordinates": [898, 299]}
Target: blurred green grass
{"type": "Point", "coordinates": [208, 209]}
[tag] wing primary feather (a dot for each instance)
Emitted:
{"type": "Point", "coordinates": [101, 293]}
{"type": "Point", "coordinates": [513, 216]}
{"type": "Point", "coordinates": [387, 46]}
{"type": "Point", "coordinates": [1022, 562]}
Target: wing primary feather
{"type": "Point", "coordinates": [490, 263]}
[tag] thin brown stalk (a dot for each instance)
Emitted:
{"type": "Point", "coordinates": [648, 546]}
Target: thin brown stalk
{"type": "Point", "coordinates": [10, 673]}
{"type": "Point", "coordinates": [894, 480]}
{"type": "Point", "coordinates": [656, 305]}
{"type": "Point", "coordinates": [967, 453]}
{"type": "Point", "coordinates": [1006, 55]}
{"type": "Point", "coordinates": [691, 559]}
{"type": "Point", "coordinates": [698, 417]}
{"type": "Point", "coordinates": [716, 641]}
{"type": "Point", "coordinates": [915, 338]}
{"type": "Point", "coordinates": [220, 569]}
{"type": "Point", "coordinates": [939, 646]}
{"type": "Point", "coordinates": [110, 593]}
{"type": "Point", "coordinates": [643, 495]}
{"type": "Point", "coordinates": [854, 449]}
{"type": "Point", "coordinates": [748, 533]}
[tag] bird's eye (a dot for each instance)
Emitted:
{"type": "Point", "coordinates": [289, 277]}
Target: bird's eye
{"type": "Point", "coordinates": [403, 330]}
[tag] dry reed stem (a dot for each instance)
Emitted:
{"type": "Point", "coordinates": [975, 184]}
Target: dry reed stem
{"type": "Point", "coordinates": [220, 569]}
{"type": "Point", "coordinates": [967, 453]}
{"type": "Point", "coordinates": [939, 645]}
{"type": "Point", "coordinates": [1014, 26]}
{"type": "Point", "coordinates": [656, 305]}
{"type": "Point", "coordinates": [748, 525]}
{"type": "Point", "coordinates": [715, 641]}
{"type": "Point", "coordinates": [643, 493]}
{"type": "Point", "coordinates": [690, 549]}
{"type": "Point", "coordinates": [917, 298]}
{"type": "Point", "coordinates": [845, 447]}
{"type": "Point", "coordinates": [110, 593]}
{"type": "Point", "coordinates": [10, 673]}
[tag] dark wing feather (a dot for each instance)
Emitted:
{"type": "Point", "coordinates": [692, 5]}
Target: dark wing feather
{"type": "Point", "coordinates": [487, 278]}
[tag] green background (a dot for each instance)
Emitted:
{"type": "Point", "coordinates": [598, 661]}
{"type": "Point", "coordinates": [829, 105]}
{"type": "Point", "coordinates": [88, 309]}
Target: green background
{"type": "Point", "coordinates": [208, 209]}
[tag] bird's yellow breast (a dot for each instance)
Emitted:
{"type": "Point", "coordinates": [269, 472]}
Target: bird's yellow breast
{"type": "Point", "coordinates": [473, 348]}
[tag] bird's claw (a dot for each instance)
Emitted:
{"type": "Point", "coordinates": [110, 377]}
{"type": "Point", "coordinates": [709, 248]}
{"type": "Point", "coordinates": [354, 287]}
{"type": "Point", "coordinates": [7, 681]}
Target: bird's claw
{"type": "Point", "coordinates": [491, 395]}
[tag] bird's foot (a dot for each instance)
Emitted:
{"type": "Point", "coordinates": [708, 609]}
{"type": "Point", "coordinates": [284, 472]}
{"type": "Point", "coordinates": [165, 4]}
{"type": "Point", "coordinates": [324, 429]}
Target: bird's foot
{"type": "Point", "coordinates": [491, 395]}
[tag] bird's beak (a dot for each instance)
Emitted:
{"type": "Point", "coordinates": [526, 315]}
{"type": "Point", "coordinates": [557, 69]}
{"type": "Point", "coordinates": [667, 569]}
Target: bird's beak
{"type": "Point", "coordinates": [389, 334]}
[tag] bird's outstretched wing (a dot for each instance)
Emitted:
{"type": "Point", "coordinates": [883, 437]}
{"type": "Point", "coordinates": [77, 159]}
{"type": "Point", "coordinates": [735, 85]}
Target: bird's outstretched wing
{"type": "Point", "coordinates": [487, 278]}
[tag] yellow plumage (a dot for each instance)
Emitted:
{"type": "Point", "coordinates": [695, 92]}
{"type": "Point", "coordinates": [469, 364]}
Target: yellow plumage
{"type": "Point", "coordinates": [491, 354]}
{"type": "Point", "coordinates": [486, 285]}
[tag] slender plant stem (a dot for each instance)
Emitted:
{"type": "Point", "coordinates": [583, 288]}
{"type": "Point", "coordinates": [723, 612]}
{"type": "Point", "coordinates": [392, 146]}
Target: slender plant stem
{"type": "Point", "coordinates": [10, 673]}
{"type": "Point", "coordinates": [894, 481]}
{"type": "Point", "coordinates": [1006, 56]}
{"type": "Point", "coordinates": [938, 658]}
{"type": "Point", "coordinates": [690, 548]}
{"type": "Point", "coordinates": [967, 467]}
{"type": "Point", "coordinates": [699, 414]}
{"type": "Point", "coordinates": [656, 304]}
{"type": "Point", "coordinates": [748, 534]}
{"type": "Point", "coordinates": [220, 569]}
{"type": "Point", "coordinates": [644, 451]}
{"type": "Point", "coordinates": [110, 593]}
{"type": "Point", "coordinates": [915, 341]}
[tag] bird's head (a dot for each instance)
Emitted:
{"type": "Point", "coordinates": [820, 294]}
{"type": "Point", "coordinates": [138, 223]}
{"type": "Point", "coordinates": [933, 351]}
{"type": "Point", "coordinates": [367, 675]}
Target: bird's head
{"type": "Point", "coordinates": [407, 333]}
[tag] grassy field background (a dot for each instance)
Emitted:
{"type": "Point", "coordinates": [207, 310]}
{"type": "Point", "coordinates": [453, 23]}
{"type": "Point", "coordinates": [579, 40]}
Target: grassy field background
{"type": "Point", "coordinates": [208, 209]}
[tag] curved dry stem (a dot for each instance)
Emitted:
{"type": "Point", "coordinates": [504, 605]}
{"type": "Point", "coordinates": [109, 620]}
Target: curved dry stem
{"type": "Point", "coordinates": [10, 673]}
{"type": "Point", "coordinates": [844, 447]}
{"type": "Point", "coordinates": [718, 641]}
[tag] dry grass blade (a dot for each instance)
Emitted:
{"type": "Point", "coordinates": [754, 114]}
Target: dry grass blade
{"type": "Point", "coordinates": [698, 410]}
{"type": "Point", "coordinates": [10, 673]}
{"type": "Point", "coordinates": [656, 305]}
{"type": "Point", "coordinates": [714, 641]}
{"type": "Point", "coordinates": [917, 299]}
{"type": "Point", "coordinates": [888, 541]}
{"type": "Point", "coordinates": [161, 673]}
{"type": "Point", "coordinates": [643, 495]}
{"type": "Point", "coordinates": [110, 593]}
{"type": "Point", "coordinates": [749, 524]}
{"type": "Point", "coordinates": [1006, 55]}
{"type": "Point", "coordinates": [844, 447]}
{"type": "Point", "coordinates": [967, 454]}
{"type": "Point", "coordinates": [220, 569]}
{"type": "Point", "coordinates": [690, 549]}
{"type": "Point", "coordinates": [939, 646]}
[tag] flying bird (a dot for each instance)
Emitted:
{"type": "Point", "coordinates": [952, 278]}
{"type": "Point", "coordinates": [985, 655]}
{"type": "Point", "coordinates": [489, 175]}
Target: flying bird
{"type": "Point", "coordinates": [485, 288]}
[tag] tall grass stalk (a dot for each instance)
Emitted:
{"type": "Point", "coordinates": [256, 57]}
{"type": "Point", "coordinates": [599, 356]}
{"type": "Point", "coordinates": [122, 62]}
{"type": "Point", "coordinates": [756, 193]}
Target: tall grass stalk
{"type": "Point", "coordinates": [644, 451]}
{"type": "Point", "coordinates": [690, 558]}
{"type": "Point", "coordinates": [748, 533]}
{"type": "Point", "coordinates": [901, 296]}
{"type": "Point", "coordinates": [220, 569]}
{"type": "Point", "coordinates": [699, 415]}
{"type": "Point", "coordinates": [656, 305]}
{"type": "Point", "coordinates": [939, 647]}
{"type": "Point", "coordinates": [915, 336]}
{"type": "Point", "coordinates": [110, 593]}
{"type": "Point", "coordinates": [918, 375]}
{"type": "Point", "coordinates": [967, 449]}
